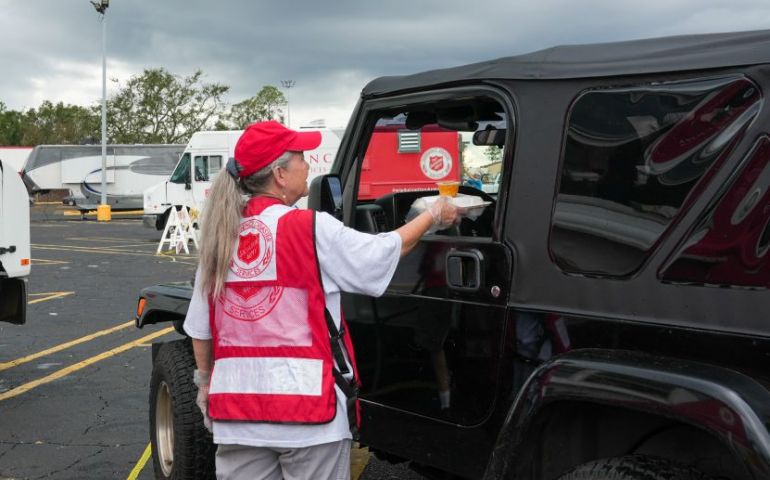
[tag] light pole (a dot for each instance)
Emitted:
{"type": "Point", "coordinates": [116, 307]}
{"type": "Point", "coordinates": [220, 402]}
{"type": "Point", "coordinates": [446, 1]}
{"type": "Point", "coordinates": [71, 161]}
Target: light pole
{"type": "Point", "coordinates": [103, 213]}
{"type": "Point", "coordinates": [288, 84]}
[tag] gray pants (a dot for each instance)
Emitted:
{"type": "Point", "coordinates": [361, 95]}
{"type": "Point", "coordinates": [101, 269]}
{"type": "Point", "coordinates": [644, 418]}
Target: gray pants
{"type": "Point", "coordinates": [329, 461]}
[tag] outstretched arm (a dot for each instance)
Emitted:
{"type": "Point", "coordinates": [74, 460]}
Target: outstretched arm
{"type": "Point", "coordinates": [442, 213]}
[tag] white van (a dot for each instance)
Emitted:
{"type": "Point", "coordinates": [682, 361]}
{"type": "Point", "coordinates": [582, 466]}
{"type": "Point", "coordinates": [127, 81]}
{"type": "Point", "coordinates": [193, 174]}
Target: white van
{"type": "Point", "coordinates": [78, 168]}
{"type": "Point", "coordinates": [206, 155]}
{"type": "Point", "coordinates": [14, 246]}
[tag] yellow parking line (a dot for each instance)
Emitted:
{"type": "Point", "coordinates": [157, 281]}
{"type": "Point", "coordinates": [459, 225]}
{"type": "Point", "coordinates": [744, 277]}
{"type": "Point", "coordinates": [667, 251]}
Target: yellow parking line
{"type": "Point", "coordinates": [146, 244]}
{"type": "Point", "coordinates": [140, 464]}
{"type": "Point", "coordinates": [50, 296]}
{"type": "Point", "coordinates": [81, 365]}
{"type": "Point", "coordinates": [98, 239]}
{"type": "Point", "coordinates": [63, 346]}
{"type": "Point", "coordinates": [44, 261]}
{"type": "Point", "coordinates": [112, 240]}
{"type": "Point", "coordinates": [107, 250]}
{"type": "Point", "coordinates": [359, 458]}
{"type": "Point", "coordinates": [79, 248]}
{"type": "Point", "coordinates": [73, 248]}
{"type": "Point", "coordinates": [91, 213]}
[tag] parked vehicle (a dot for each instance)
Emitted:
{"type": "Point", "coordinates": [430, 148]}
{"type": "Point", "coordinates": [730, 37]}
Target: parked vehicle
{"type": "Point", "coordinates": [14, 246]}
{"type": "Point", "coordinates": [14, 157]}
{"type": "Point", "coordinates": [493, 185]}
{"type": "Point", "coordinates": [603, 318]}
{"type": "Point", "coordinates": [78, 168]}
{"type": "Point", "coordinates": [402, 160]}
{"type": "Point", "coordinates": [206, 154]}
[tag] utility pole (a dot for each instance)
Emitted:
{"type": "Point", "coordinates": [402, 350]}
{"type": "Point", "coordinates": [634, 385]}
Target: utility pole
{"type": "Point", "coordinates": [103, 211]}
{"type": "Point", "coordinates": [288, 84]}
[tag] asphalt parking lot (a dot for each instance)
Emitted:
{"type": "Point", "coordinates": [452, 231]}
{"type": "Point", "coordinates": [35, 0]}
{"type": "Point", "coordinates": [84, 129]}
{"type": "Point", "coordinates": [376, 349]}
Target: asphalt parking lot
{"type": "Point", "coordinates": [74, 380]}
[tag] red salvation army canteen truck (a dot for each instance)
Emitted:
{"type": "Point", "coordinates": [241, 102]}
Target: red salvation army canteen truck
{"type": "Point", "coordinates": [415, 159]}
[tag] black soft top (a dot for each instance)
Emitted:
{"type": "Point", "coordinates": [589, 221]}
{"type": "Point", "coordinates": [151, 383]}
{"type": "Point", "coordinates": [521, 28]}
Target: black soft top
{"type": "Point", "coordinates": [668, 54]}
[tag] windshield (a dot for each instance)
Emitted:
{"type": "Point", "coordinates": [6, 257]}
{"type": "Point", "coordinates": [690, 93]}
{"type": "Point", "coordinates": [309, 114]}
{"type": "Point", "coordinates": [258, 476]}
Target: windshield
{"type": "Point", "coordinates": [181, 173]}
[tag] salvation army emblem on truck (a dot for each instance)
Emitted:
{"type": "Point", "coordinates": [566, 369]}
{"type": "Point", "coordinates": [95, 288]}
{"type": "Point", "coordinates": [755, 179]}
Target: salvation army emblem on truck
{"type": "Point", "coordinates": [436, 163]}
{"type": "Point", "coordinates": [255, 249]}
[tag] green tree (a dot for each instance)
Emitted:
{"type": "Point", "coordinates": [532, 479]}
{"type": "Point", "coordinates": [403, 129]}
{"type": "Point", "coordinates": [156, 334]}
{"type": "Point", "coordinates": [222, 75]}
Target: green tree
{"type": "Point", "coordinates": [494, 153]}
{"type": "Point", "coordinates": [160, 107]}
{"type": "Point", "coordinates": [11, 129]}
{"type": "Point", "coordinates": [58, 124]}
{"type": "Point", "coordinates": [265, 105]}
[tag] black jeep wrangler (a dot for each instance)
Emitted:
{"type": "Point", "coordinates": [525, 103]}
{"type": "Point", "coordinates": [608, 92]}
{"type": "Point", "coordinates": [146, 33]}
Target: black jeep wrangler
{"type": "Point", "coordinates": [606, 316]}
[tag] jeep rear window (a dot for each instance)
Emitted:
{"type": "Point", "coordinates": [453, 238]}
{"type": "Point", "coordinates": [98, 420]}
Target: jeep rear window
{"type": "Point", "coordinates": [633, 159]}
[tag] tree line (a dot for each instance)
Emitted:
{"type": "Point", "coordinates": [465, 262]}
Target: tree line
{"type": "Point", "coordinates": [154, 107]}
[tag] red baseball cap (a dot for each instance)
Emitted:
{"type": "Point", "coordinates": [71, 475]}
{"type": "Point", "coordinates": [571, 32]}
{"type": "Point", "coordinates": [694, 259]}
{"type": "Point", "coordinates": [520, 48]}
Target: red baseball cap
{"type": "Point", "coordinates": [263, 142]}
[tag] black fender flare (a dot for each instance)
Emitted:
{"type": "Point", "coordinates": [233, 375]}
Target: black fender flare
{"type": "Point", "coordinates": [164, 303]}
{"type": "Point", "coordinates": [730, 405]}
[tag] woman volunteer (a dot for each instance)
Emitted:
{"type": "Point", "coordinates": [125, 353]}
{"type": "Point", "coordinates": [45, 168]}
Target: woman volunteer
{"type": "Point", "coordinates": [275, 369]}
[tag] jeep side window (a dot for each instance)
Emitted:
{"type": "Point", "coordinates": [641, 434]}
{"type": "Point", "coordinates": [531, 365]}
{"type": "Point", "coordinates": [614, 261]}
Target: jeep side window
{"type": "Point", "coordinates": [410, 149]}
{"type": "Point", "coordinates": [633, 159]}
{"type": "Point", "coordinates": [181, 173]}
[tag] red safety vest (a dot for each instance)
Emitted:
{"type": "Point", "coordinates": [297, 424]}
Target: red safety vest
{"type": "Point", "coordinates": [273, 353]}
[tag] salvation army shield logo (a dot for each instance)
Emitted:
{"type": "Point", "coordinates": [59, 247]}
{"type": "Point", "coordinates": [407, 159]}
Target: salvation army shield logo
{"type": "Point", "coordinates": [248, 247]}
{"type": "Point", "coordinates": [436, 163]}
{"type": "Point", "coordinates": [249, 302]}
{"type": "Point", "coordinates": [255, 249]}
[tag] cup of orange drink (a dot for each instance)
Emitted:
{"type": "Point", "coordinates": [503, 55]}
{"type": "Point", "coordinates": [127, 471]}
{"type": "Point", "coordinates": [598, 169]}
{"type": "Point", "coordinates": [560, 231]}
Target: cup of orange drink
{"type": "Point", "coordinates": [449, 188]}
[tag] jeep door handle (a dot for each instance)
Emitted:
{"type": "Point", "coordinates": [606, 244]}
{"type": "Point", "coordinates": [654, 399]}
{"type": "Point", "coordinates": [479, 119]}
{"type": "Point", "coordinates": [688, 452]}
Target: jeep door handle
{"type": "Point", "coordinates": [464, 270]}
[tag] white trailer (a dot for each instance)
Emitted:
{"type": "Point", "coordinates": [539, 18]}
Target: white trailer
{"type": "Point", "coordinates": [78, 168]}
{"type": "Point", "coordinates": [14, 246]}
{"type": "Point", "coordinates": [206, 155]}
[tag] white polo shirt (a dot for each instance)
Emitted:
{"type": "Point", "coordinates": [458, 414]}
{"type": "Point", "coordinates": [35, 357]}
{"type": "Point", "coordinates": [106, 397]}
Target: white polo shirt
{"type": "Point", "coordinates": [350, 261]}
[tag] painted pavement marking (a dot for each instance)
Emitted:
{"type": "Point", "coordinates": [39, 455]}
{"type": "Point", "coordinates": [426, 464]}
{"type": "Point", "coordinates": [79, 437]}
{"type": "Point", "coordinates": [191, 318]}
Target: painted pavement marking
{"type": "Point", "coordinates": [45, 261]}
{"type": "Point", "coordinates": [81, 365]}
{"type": "Point", "coordinates": [48, 296]}
{"type": "Point", "coordinates": [140, 464]}
{"type": "Point", "coordinates": [64, 346]}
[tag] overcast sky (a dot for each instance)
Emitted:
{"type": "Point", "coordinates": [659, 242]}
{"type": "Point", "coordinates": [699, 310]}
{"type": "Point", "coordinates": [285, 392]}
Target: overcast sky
{"type": "Point", "coordinates": [51, 49]}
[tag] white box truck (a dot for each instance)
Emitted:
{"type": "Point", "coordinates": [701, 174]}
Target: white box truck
{"type": "Point", "coordinates": [206, 155]}
{"type": "Point", "coordinates": [14, 246]}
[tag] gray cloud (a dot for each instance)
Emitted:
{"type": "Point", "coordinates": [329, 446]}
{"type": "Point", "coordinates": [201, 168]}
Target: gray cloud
{"type": "Point", "coordinates": [51, 49]}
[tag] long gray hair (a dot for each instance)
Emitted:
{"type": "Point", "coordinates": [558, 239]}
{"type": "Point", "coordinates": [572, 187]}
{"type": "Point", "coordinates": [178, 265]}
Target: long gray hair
{"type": "Point", "coordinates": [221, 217]}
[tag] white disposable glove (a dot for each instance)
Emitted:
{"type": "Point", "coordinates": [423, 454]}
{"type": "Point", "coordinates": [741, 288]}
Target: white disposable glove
{"type": "Point", "coordinates": [201, 380]}
{"type": "Point", "coordinates": [444, 213]}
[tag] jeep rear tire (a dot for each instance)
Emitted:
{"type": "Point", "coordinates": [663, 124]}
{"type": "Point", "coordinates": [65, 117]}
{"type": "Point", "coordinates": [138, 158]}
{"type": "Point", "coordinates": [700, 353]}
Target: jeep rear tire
{"type": "Point", "coordinates": [633, 467]}
{"type": "Point", "coordinates": [182, 448]}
